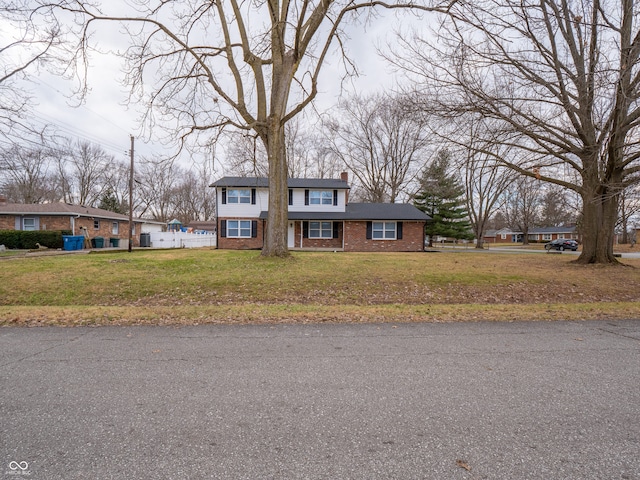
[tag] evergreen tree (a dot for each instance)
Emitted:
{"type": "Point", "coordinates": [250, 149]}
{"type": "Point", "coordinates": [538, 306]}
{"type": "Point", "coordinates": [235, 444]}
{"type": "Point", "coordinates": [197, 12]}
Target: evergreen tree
{"type": "Point", "coordinates": [440, 197]}
{"type": "Point", "coordinates": [110, 202]}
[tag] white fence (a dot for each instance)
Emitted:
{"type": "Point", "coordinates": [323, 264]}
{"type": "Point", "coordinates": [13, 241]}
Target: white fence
{"type": "Point", "coordinates": [182, 240]}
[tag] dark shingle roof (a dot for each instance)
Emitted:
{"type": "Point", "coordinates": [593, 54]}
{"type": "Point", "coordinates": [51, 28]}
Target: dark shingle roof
{"type": "Point", "coordinates": [262, 182]}
{"type": "Point", "coordinates": [364, 211]}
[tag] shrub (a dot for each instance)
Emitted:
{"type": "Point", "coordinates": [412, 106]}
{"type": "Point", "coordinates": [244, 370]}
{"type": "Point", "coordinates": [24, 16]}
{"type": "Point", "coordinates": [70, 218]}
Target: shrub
{"type": "Point", "coordinates": [25, 240]}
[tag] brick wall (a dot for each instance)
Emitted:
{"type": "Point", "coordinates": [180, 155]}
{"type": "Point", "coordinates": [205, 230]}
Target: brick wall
{"type": "Point", "coordinates": [356, 239]}
{"type": "Point", "coordinates": [63, 222]}
{"type": "Point", "coordinates": [241, 243]}
{"type": "Point", "coordinates": [7, 222]}
{"type": "Point", "coordinates": [335, 243]}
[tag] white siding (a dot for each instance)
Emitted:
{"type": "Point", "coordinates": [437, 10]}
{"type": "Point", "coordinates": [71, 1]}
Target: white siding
{"type": "Point", "coordinates": [243, 210]}
{"type": "Point", "coordinates": [299, 206]}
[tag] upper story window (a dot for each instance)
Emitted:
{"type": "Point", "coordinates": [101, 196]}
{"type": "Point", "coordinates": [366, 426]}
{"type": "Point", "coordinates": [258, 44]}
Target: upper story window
{"type": "Point", "coordinates": [244, 196]}
{"type": "Point", "coordinates": [321, 197]}
{"type": "Point", "coordinates": [239, 196]}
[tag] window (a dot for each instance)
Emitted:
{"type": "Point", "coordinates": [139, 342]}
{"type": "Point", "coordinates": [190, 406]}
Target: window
{"type": "Point", "coordinates": [115, 228]}
{"type": "Point", "coordinates": [239, 228]}
{"type": "Point", "coordinates": [320, 197]}
{"type": "Point", "coordinates": [546, 236]}
{"type": "Point", "coordinates": [320, 230]}
{"type": "Point", "coordinates": [28, 223]}
{"type": "Point", "coordinates": [239, 196]}
{"type": "Point", "coordinates": [96, 224]}
{"type": "Point", "coordinates": [503, 236]}
{"type": "Point", "coordinates": [384, 230]}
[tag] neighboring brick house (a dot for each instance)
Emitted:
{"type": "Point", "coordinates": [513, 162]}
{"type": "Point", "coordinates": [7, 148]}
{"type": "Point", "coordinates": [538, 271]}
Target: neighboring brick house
{"type": "Point", "coordinates": [320, 217]}
{"type": "Point", "coordinates": [74, 218]}
{"type": "Point", "coordinates": [538, 234]}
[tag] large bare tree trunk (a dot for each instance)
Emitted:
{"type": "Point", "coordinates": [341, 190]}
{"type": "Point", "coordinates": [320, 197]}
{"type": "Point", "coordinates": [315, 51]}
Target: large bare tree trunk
{"type": "Point", "coordinates": [600, 213]}
{"type": "Point", "coordinates": [275, 239]}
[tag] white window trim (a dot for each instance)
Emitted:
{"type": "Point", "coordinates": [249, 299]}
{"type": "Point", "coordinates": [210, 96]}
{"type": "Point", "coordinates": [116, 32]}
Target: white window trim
{"type": "Point", "coordinates": [384, 230]}
{"type": "Point", "coordinates": [115, 228]}
{"type": "Point", "coordinates": [546, 236]}
{"type": "Point", "coordinates": [238, 194]}
{"type": "Point", "coordinates": [320, 197]}
{"type": "Point", "coordinates": [321, 230]}
{"type": "Point", "coordinates": [32, 227]}
{"type": "Point", "coordinates": [238, 228]}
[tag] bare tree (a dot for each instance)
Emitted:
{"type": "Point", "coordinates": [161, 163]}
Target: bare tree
{"type": "Point", "coordinates": [556, 207]}
{"type": "Point", "coordinates": [26, 175]}
{"type": "Point", "coordinates": [307, 154]}
{"type": "Point", "coordinates": [83, 169]}
{"type": "Point", "coordinates": [629, 208]}
{"type": "Point", "coordinates": [485, 179]}
{"type": "Point", "coordinates": [380, 143]}
{"type": "Point", "coordinates": [192, 198]}
{"type": "Point", "coordinates": [24, 47]}
{"type": "Point", "coordinates": [155, 181]}
{"type": "Point", "coordinates": [250, 65]}
{"type": "Point", "coordinates": [246, 156]}
{"type": "Point", "coordinates": [522, 205]}
{"type": "Point", "coordinates": [563, 79]}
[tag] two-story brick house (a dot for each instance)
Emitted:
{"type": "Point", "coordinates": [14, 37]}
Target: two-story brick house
{"type": "Point", "coordinates": [320, 217]}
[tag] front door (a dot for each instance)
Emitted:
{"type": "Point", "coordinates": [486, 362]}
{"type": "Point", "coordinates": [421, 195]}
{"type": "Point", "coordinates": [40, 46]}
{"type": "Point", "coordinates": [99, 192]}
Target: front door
{"type": "Point", "coordinates": [291, 237]}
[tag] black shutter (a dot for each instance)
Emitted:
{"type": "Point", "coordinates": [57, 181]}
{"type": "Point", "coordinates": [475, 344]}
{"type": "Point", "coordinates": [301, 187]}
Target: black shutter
{"type": "Point", "coordinates": [369, 230]}
{"type": "Point", "coordinates": [253, 196]}
{"type": "Point", "coordinates": [224, 195]}
{"type": "Point", "coordinates": [335, 198]}
{"type": "Point", "coordinates": [306, 197]}
{"type": "Point", "coordinates": [290, 197]}
{"type": "Point", "coordinates": [254, 228]}
{"type": "Point", "coordinates": [305, 229]}
{"type": "Point", "coordinates": [399, 230]}
{"type": "Point", "coordinates": [223, 228]}
{"type": "Point", "coordinates": [335, 230]}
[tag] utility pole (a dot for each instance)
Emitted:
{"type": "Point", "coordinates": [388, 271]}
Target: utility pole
{"type": "Point", "coordinates": [131, 198]}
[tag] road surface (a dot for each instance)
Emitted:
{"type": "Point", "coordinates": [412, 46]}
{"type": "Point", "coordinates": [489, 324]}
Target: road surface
{"type": "Point", "coordinates": [409, 401]}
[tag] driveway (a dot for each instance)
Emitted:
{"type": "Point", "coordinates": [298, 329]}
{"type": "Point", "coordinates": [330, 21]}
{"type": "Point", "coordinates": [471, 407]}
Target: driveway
{"type": "Point", "coordinates": [409, 401]}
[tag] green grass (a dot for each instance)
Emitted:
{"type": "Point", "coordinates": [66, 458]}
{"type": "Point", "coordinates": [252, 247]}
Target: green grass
{"type": "Point", "coordinates": [204, 285]}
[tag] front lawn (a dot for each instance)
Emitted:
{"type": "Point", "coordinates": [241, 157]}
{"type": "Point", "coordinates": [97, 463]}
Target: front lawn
{"type": "Point", "coordinates": [222, 286]}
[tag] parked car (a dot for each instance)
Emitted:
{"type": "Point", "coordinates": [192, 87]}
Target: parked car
{"type": "Point", "coordinates": [562, 244]}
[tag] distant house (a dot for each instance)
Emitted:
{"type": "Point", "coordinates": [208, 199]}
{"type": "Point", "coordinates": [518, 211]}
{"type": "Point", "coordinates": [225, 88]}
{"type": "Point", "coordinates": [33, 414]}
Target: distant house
{"type": "Point", "coordinates": [74, 218]}
{"type": "Point", "coordinates": [320, 216]}
{"type": "Point", "coordinates": [539, 234]}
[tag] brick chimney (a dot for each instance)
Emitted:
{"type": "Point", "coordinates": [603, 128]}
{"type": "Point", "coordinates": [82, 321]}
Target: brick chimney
{"type": "Point", "coordinates": [344, 176]}
{"type": "Point", "coordinates": [3, 200]}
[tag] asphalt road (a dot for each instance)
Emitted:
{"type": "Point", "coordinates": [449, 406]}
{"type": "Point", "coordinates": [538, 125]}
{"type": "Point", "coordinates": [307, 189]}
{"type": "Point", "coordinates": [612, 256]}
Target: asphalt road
{"type": "Point", "coordinates": [417, 401]}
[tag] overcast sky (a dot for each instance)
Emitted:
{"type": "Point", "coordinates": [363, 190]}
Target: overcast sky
{"type": "Point", "coordinates": [106, 120]}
